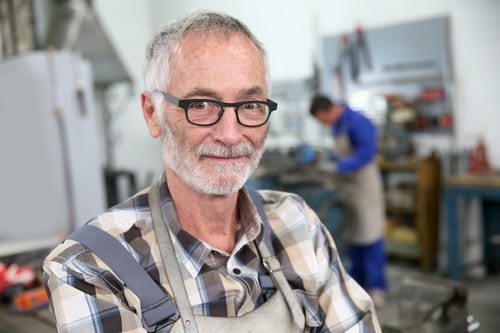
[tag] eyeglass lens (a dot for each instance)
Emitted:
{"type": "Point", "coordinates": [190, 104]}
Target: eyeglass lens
{"type": "Point", "coordinates": [209, 112]}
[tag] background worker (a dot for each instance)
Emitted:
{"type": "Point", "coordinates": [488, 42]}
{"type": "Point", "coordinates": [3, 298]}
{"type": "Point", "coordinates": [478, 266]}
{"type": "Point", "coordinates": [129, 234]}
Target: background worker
{"type": "Point", "coordinates": [360, 183]}
{"type": "Point", "coordinates": [206, 98]}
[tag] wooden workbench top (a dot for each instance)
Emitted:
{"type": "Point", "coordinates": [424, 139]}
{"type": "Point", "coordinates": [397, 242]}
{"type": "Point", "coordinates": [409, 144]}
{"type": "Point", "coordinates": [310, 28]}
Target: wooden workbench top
{"type": "Point", "coordinates": [475, 179]}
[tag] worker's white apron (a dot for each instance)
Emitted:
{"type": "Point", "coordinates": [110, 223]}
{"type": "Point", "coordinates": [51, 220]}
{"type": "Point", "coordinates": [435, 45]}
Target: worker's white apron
{"type": "Point", "coordinates": [282, 313]}
{"type": "Point", "coordinates": [362, 198]}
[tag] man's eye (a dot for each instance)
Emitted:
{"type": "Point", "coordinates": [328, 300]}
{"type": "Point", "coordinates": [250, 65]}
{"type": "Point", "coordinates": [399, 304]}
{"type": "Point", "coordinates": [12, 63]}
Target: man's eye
{"type": "Point", "coordinates": [201, 105]}
{"type": "Point", "coordinates": [250, 106]}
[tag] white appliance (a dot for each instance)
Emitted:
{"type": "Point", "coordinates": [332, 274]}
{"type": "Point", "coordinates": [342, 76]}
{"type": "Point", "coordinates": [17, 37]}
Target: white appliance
{"type": "Point", "coordinates": [51, 177]}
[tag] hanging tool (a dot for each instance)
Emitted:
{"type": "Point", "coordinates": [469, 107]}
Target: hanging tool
{"type": "Point", "coordinates": [339, 85]}
{"type": "Point", "coordinates": [359, 53]}
{"type": "Point", "coordinates": [352, 54]}
{"type": "Point", "coordinates": [363, 48]}
{"type": "Point", "coordinates": [355, 52]}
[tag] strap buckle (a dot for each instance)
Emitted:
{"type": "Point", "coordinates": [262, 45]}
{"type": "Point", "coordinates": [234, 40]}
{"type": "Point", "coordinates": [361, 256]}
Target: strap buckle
{"type": "Point", "coordinates": [272, 264]}
{"type": "Point", "coordinates": [161, 313]}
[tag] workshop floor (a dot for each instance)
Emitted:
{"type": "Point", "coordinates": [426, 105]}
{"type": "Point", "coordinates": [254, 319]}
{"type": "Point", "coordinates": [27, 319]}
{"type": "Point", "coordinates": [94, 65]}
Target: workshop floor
{"type": "Point", "coordinates": [483, 304]}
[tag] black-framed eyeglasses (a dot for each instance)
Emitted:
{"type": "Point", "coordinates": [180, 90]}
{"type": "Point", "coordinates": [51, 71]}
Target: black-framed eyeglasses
{"type": "Point", "coordinates": [207, 112]}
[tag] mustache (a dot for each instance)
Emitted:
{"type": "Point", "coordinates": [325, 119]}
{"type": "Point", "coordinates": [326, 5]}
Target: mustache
{"type": "Point", "coordinates": [218, 149]}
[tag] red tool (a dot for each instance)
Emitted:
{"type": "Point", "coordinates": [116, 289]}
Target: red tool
{"type": "Point", "coordinates": [432, 94]}
{"type": "Point", "coordinates": [15, 275]}
{"type": "Point", "coordinates": [478, 161]}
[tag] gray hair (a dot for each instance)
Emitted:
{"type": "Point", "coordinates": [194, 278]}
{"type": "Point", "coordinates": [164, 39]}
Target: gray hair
{"type": "Point", "coordinates": [170, 37]}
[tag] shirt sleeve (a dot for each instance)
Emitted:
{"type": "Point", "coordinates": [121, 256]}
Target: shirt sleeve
{"type": "Point", "coordinates": [363, 138]}
{"type": "Point", "coordinates": [332, 300]}
{"type": "Point", "coordinates": [82, 299]}
{"type": "Point", "coordinates": [343, 305]}
{"type": "Point", "coordinates": [346, 306]}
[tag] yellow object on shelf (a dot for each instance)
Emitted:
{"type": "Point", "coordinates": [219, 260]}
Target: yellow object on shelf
{"type": "Point", "coordinates": [404, 234]}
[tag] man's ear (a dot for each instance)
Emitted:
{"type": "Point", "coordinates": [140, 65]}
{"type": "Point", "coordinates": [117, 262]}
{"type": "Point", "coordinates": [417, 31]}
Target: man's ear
{"type": "Point", "coordinates": [150, 114]}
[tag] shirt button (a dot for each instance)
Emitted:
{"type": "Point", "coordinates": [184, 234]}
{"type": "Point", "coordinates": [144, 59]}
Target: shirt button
{"type": "Point", "coordinates": [236, 271]}
{"type": "Point", "coordinates": [215, 252]}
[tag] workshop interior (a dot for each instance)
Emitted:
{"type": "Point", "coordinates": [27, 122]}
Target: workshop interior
{"type": "Point", "coordinates": [427, 74]}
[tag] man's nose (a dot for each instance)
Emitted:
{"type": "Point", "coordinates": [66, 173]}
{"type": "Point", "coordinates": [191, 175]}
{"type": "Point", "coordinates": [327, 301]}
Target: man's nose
{"type": "Point", "coordinates": [227, 129]}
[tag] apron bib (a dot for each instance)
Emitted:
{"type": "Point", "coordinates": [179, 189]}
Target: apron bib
{"type": "Point", "coordinates": [282, 313]}
{"type": "Point", "coordinates": [272, 316]}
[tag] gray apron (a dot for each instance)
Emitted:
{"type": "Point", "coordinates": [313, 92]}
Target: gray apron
{"type": "Point", "coordinates": [362, 198]}
{"type": "Point", "coordinates": [281, 313]}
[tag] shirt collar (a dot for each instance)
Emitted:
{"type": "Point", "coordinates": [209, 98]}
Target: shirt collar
{"type": "Point", "coordinates": [191, 252]}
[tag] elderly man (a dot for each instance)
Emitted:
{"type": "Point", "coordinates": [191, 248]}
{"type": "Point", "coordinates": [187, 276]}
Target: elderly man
{"type": "Point", "coordinates": [218, 256]}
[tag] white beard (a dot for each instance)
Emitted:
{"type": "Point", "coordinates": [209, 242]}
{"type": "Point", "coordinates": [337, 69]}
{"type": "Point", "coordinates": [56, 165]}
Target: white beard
{"type": "Point", "coordinates": [199, 173]}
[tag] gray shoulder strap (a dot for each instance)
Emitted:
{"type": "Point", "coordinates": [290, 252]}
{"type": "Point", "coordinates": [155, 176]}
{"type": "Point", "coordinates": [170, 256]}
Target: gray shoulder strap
{"type": "Point", "coordinates": [170, 263]}
{"type": "Point", "coordinates": [156, 306]}
{"type": "Point", "coordinates": [273, 266]}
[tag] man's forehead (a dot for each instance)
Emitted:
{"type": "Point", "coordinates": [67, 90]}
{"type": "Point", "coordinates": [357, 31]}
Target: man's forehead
{"type": "Point", "coordinates": [234, 63]}
{"type": "Point", "coordinates": [199, 42]}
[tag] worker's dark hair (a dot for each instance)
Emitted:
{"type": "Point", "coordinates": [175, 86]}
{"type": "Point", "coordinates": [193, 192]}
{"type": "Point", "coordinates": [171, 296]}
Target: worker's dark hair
{"type": "Point", "coordinates": [319, 103]}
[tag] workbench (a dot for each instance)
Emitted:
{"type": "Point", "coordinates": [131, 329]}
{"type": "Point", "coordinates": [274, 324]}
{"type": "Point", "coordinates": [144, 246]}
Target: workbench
{"type": "Point", "coordinates": [480, 186]}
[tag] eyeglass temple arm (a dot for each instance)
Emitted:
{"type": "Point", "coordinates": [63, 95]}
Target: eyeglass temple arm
{"type": "Point", "coordinates": [169, 98]}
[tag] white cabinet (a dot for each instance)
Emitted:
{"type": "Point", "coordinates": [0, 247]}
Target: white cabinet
{"type": "Point", "coordinates": [51, 170]}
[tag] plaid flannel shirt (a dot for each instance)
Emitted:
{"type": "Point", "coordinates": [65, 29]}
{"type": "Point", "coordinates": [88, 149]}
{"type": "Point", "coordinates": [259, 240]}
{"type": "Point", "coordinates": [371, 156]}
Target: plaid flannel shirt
{"type": "Point", "coordinates": [86, 296]}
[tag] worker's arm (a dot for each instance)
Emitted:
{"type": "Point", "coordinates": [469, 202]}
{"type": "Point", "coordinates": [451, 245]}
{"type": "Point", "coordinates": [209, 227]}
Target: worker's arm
{"type": "Point", "coordinates": [85, 296]}
{"type": "Point", "coordinates": [363, 138]}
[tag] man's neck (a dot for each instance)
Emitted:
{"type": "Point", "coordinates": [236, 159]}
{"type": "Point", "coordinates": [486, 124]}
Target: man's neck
{"type": "Point", "coordinates": [338, 111]}
{"type": "Point", "coordinates": [212, 219]}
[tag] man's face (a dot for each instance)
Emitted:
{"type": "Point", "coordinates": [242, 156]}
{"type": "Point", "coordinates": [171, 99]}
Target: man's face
{"type": "Point", "coordinates": [216, 159]}
{"type": "Point", "coordinates": [329, 116]}
{"type": "Point", "coordinates": [323, 116]}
